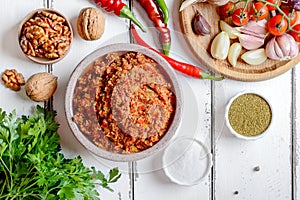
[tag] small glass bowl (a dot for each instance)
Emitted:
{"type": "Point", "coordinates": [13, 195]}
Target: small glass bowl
{"type": "Point", "coordinates": [186, 161]}
{"type": "Point", "coordinates": [235, 133]}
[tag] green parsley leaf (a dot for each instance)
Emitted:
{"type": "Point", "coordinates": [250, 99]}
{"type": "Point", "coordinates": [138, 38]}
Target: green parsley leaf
{"type": "Point", "coordinates": [32, 167]}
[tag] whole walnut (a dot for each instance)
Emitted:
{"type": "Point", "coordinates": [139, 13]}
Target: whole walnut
{"type": "Point", "coordinates": [41, 86]}
{"type": "Point", "coordinates": [90, 23]}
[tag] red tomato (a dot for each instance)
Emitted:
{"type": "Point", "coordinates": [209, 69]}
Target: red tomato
{"type": "Point", "coordinates": [296, 32]}
{"type": "Point", "coordinates": [240, 17]}
{"type": "Point", "coordinates": [259, 11]}
{"type": "Point", "coordinates": [277, 25]}
{"type": "Point", "coordinates": [226, 10]}
{"type": "Point", "coordinates": [273, 2]}
{"type": "Point", "coordinates": [292, 14]}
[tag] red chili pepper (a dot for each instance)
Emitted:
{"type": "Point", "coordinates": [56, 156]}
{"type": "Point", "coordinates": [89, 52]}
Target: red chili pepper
{"type": "Point", "coordinates": [185, 68]}
{"type": "Point", "coordinates": [120, 9]}
{"type": "Point", "coordinates": [157, 17]}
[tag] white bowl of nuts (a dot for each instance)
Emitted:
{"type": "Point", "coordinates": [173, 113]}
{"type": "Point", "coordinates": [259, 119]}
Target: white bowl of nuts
{"type": "Point", "coordinates": [45, 36]}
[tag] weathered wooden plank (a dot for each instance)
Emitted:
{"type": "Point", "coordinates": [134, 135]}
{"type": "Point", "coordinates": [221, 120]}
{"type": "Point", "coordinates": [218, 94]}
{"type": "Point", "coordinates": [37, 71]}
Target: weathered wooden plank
{"type": "Point", "coordinates": [116, 30]}
{"type": "Point", "coordinates": [195, 124]}
{"type": "Point", "coordinates": [11, 56]}
{"type": "Point", "coordinates": [296, 132]}
{"type": "Point", "coordinates": [150, 182]}
{"type": "Point", "coordinates": [235, 159]}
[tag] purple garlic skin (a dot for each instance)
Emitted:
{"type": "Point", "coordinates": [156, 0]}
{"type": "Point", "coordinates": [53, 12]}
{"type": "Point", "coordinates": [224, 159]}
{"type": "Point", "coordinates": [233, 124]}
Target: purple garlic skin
{"type": "Point", "coordinates": [283, 47]}
{"type": "Point", "coordinates": [253, 34]}
{"type": "Point", "coordinates": [200, 25]}
{"type": "Point", "coordinates": [294, 4]}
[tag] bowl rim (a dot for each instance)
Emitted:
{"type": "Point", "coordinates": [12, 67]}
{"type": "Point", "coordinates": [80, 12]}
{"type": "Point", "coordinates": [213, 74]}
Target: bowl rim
{"type": "Point", "coordinates": [45, 61]}
{"type": "Point", "coordinates": [89, 145]}
{"type": "Point", "coordinates": [238, 135]}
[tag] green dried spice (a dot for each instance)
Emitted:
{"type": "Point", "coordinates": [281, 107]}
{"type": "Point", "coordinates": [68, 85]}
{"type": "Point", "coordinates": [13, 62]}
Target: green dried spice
{"type": "Point", "coordinates": [250, 115]}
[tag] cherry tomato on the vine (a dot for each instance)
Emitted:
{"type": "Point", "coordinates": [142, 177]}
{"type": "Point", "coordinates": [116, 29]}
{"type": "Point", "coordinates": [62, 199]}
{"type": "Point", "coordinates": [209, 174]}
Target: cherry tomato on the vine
{"type": "Point", "coordinates": [277, 25]}
{"type": "Point", "coordinates": [296, 32]}
{"type": "Point", "coordinates": [259, 11]}
{"type": "Point", "coordinates": [292, 14]}
{"type": "Point", "coordinates": [240, 17]}
{"type": "Point", "coordinates": [278, 2]}
{"type": "Point", "coordinates": [226, 10]}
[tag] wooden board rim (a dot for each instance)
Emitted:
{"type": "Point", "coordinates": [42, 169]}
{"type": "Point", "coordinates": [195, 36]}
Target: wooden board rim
{"type": "Point", "coordinates": [246, 74]}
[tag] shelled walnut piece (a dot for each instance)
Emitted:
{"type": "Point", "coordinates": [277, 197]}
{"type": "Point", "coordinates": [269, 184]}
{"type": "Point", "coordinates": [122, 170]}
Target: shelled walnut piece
{"type": "Point", "coordinates": [45, 35]}
{"type": "Point", "coordinates": [12, 79]}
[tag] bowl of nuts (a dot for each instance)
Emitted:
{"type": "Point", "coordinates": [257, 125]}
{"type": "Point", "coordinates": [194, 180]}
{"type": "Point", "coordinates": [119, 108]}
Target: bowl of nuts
{"type": "Point", "coordinates": [45, 36]}
{"type": "Point", "coordinates": [123, 102]}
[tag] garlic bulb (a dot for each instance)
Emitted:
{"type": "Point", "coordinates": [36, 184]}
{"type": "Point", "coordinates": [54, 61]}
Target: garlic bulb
{"type": "Point", "coordinates": [187, 3]}
{"type": "Point", "coordinates": [283, 47]}
{"type": "Point", "coordinates": [253, 34]}
{"type": "Point", "coordinates": [255, 28]}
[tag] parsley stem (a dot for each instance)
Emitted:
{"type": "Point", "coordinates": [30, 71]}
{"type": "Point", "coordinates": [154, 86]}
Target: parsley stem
{"type": "Point", "coordinates": [28, 187]}
{"type": "Point", "coordinates": [5, 169]}
{"type": "Point", "coordinates": [54, 188]}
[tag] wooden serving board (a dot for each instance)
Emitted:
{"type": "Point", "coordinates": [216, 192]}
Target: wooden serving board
{"type": "Point", "coordinates": [201, 47]}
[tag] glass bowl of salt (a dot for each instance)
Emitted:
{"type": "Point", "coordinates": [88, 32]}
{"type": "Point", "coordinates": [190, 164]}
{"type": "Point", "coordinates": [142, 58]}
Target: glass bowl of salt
{"type": "Point", "coordinates": [186, 161]}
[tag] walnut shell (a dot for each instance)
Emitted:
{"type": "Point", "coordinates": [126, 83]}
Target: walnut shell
{"type": "Point", "coordinates": [90, 23]}
{"type": "Point", "coordinates": [41, 86]}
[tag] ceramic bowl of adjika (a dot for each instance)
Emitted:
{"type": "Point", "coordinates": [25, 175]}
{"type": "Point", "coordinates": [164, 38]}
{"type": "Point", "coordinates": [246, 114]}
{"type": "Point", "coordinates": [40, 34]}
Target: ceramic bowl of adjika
{"type": "Point", "coordinates": [249, 115]}
{"type": "Point", "coordinates": [123, 102]}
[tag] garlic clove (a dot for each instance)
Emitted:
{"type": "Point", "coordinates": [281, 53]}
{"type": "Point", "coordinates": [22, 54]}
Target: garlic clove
{"type": "Point", "coordinates": [252, 33]}
{"type": "Point", "coordinates": [232, 32]}
{"type": "Point", "coordinates": [294, 47]}
{"type": "Point", "coordinates": [220, 46]}
{"type": "Point", "coordinates": [200, 25]}
{"type": "Point", "coordinates": [270, 50]}
{"type": "Point", "coordinates": [256, 28]}
{"type": "Point", "coordinates": [250, 42]}
{"type": "Point", "coordinates": [284, 45]}
{"type": "Point", "coordinates": [278, 50]}
{"type": "Point", "coordinates": [187, 3]}
{"type": "Point", "coordinates": [255, 57]}
{"type": "Point", "coordinates": [234, 52]}
{"type": "Point", "coordinates": [216, 2]}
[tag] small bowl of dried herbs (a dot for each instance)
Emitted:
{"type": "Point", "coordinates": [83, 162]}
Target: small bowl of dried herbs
{"type": "Point", "coordinates": [248, 115]}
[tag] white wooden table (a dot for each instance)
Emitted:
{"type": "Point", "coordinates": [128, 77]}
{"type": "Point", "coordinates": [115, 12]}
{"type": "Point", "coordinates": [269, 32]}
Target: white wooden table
{"type": "Point", "coordinates": [234, 160]}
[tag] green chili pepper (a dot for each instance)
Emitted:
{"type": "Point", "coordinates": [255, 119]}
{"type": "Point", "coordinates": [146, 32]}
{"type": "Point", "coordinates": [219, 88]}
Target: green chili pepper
{"type": "Point", "coordinates": [126, 13]}
{"type": "Point", "coordinates": [164, 9]}
{"type": "Point", "coordinates": [156, 16]}
{"type": "Point", "coordinates": [119, 8]}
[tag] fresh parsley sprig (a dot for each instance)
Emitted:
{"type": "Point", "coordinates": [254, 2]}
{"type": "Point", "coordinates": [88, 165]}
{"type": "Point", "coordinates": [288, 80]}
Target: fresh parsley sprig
{"type": "Point", "coordinates": [32, 167]}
